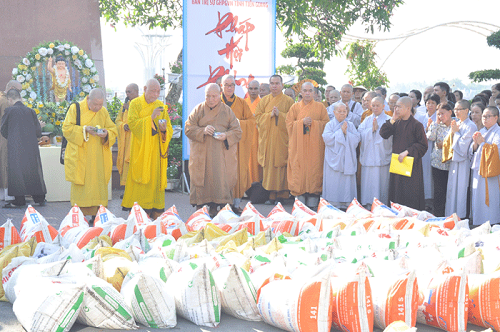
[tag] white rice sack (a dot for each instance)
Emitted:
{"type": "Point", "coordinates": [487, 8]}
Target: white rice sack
{"type": "Point", "coordinates": [196, 295]}
{"type": "Point", "coordinates": [49, 304]}
{"type": "Point", "coordinates": [297, 305]}
{"type": "Point", "coordinates": [151, 304]}
{"type": "Point", "coordinates": [237, 293]}
{"type": "Point", "coordinates": [158, 267]}
{"type": "Point", "coordinates": [73, 254]}
{"type": "Point", "coordinates": [104, 307]}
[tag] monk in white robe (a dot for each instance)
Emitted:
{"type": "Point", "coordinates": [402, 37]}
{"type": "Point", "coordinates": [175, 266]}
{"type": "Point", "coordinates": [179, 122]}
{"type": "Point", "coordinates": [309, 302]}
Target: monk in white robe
{"type": "Point", "coordinates": [485, 191]}
{"type": "Point", "coordinates": [375, 156]}
{"type": "Point", "coordinates": [354, 109]}
{"type": "Point", "coordinates": [339, 172]}
{"type": "Point", "coordinates": [458, 176]}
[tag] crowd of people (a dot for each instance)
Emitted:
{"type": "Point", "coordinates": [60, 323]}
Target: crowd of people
{"type": "Point", "coordinates": [289, 141]}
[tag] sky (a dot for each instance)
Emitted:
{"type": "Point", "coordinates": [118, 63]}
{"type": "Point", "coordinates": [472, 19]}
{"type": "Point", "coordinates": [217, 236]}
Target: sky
{"type": "Point", "coordinates": [442, 53]}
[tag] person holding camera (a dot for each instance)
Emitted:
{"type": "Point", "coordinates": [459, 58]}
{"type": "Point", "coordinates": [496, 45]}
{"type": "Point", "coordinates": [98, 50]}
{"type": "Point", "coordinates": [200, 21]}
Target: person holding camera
{"type": "Point", "coordinates": [87, 159]}
{"type": "Point", "coordinates": [151, 129]}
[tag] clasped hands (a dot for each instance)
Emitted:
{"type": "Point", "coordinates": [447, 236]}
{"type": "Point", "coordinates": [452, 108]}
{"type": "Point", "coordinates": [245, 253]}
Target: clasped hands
{"type": "Point", "coordinates": [275, 111]}
{"type": "Point", "coordinates": [477, 138]}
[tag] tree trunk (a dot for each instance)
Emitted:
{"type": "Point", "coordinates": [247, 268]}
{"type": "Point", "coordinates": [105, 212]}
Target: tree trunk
{"type": "Point", "coordinates": [175, 90]}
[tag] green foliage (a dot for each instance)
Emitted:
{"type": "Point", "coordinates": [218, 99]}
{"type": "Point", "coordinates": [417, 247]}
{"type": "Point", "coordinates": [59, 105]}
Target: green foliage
{"type": "Point", "coordinates": [494, 39]}
{"type": "Point", "coordinates": [490, 74]}
{"type": "Point", "coordinates": [114, 106]}
{"type": "Point", "coordinates": [321, 24]}
{"type": "Point", "coordinates": [485, 75]}
{"type": "Point", "coordinates": [308, 65]}
{"type": "Point", "coordinates": [175, 146]}
{"type": "Point", "coordinates": [362, 69]}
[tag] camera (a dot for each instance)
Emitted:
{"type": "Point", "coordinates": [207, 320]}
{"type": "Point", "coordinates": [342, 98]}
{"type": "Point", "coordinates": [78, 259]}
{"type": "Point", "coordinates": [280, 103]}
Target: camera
{"type": "Point", "coordinates": [99, 131]}
{"type": "Point", "coordinates": [162, 121]}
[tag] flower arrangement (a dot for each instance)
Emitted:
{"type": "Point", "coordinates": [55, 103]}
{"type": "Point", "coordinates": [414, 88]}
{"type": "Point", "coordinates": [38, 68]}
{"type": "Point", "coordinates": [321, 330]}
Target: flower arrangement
{"type": "Point", "coordinates": [173, 168]}
{"type": "Point", "coordinates": [174, 114]}
{"type": "Point", "coordinates": [160, 79]}
{"type": "Point", "coordinates": [176, 67]}
{"type": "Point", "coordinates": [32, 67]}
{"type": "Point", "coordinates": [52, 114]}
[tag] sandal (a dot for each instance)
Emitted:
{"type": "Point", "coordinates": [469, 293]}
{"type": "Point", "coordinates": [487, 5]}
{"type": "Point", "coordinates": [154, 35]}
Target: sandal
{"type": "Point", "coordinates": [11, 205]}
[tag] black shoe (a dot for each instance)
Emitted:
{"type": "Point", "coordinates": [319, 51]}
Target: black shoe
{"type": "Point", "coordinates": [11, 205]}
{"type": "Point", "coordinates": [126, 209]}
{"type": "Point", "coordinates": [42, 203]}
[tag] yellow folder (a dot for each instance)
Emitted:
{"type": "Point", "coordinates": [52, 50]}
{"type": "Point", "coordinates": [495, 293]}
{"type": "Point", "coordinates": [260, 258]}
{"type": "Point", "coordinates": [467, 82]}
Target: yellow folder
{"type": "Point", "coordinates": [403, 168]}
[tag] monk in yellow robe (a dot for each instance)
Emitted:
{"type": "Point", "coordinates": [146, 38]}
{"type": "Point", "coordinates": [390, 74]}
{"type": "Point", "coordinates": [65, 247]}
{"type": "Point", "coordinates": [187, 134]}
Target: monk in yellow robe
{"type": "Point", "coordinates": [213, 131]}
{"type": "Point", "coordinates": [247, 124]}
{"type": "Point", "coordinates": [305, 123]}
{"type": "Point", "coordinates": [124, 134]}
{"type": "Point", "coordinates": [151, 133]}
{"type": "Point", "coordinates": [273, 139]}
{"type": "Point", "coordinates": [87, 160]}
{"type": "Point", "coordinates": [253, 99]}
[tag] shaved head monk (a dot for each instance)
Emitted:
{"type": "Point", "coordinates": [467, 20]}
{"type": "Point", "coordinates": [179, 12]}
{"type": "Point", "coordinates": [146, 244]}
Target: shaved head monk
{"type": "Point", "coordinates": [253, 99]}
{"type": "Point", "coordinates": [273, 139]}
{"type": "Point", "coordinates": [214, 132]}
{"type": "Point", "coordinates": [305, 123]}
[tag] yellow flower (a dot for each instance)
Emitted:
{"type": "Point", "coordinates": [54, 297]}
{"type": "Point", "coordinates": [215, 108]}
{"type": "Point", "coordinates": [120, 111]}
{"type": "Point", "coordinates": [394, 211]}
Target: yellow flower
{"type": "Point", "coordinates": [37, 56]}
{"type": "Point", "coordinates": [25, 86]}
{"type": "Point", "coordinates": [40, 105]}
{"type": "Point", "coordinates": [74, 57]}
{"type": "Point", "coordinates": [82, 94]}
{"type": "Point", "coordinates": [31, 80]}
{"type": "Point", "coordinates": [58, 123]}
{"type": "Point", "coordinates": [80, 52]}
{"type": "Point", "coordinates": [29, 105]}
{"type": "Point", "coordinates": [86, 71]}
{"type": "Point", "coordinates": [37, 111]}
{"type": "Point", "coordinates": [91, 80]}
{"type": "Point", "coordinates": [33, 68]}
{"type": "Point", "coordinates": [53, 114]}
{"type": "Point", "coordinates": [51, 45]}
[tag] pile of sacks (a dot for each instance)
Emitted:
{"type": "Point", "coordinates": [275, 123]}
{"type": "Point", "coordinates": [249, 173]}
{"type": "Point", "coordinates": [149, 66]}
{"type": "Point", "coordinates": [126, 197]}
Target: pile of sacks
{"type": "Point", "coordinates": [305, 271]}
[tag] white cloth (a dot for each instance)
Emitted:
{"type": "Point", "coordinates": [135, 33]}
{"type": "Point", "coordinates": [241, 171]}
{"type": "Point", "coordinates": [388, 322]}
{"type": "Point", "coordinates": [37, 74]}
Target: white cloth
{"type": "Point", "coordinates": [4, 196]}
{"type": "Point", "coordinates": [354, 116]}
{"type": "Point", "coordinates": [375, 158]}
{"type": "Point", "coordinates": [340, 165]}
{"type": "Point", "coordinates": [458, 176]}
{"type": "Point", "coordinates": [421, 110]}
{"type": "Point", "coordinates": [480, 211]}
{"type": "Point", "coordinates": [426, 159]}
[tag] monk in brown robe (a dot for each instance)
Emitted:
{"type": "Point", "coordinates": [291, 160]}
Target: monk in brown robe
{"type": "Point", "coordinates": [247, 124]}
{"type": "Point", "coordinates": [409, 139]}
{"type": "Point", "coordinates": [213, 131]}
{"type": "Point", "coordinates": [305, 122]}
{"type": "Point", "coordinates": [273, 139]}
{"type": "Point", "coordinates": [124, 134]}
{"type": "Point", "coordinates": [253, 99]}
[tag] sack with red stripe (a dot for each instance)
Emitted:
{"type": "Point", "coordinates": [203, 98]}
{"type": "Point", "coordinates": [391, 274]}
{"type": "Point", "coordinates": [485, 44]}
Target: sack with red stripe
{"type": "Point", "coordinates": [8, 234]}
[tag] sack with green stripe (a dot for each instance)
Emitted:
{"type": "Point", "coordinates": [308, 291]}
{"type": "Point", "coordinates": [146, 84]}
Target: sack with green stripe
{"type": "Point", "coordinates": [147, 296]}
{"type": "Point", "coordinates": [196, 295]}
{"type": "Point", "coordinates": [104, 307]}
{"type": "Point", "coordinates": [49, 304]}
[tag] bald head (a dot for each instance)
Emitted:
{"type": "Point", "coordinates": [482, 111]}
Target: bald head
{"type": "Point", "coordinates": [212, 95]}
{"type": "Point", "coordinates": [264, 90]}
{"type": "Point", "coordinates": [334, 96]}
{"type": "Point", "coordinates": [95, 100]}
{"type": "Point", "coordinates": [13, 84]}
{"type": "Point", "coordinates": [290, 93]}
{"type": "Point", "coordinates": [307, 92]}
{"type": "Point", "coordinates": [253, 89]}
{"type": "Point", "coordinates": [212, 87]}
{"type": "Point", "coordinates": [366, 101]}
{"type": "Point", "coordinates": [151, 90]}
{"type": "Point", "coordinates": [228, 85]}
{"type": "Point", "coordinates": [377, 105]}
{"type": "Point", "coordinates": [308, 84]}
{"type": "Point", "coordinates": [227, 78]}
{"type": "Point", "coordinates": [403, 108]}
{"type": "Point", "coordinates": [132, 91]}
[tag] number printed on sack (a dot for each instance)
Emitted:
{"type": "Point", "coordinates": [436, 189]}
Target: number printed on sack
{"type": "Point", "coordinates": [314, 311]}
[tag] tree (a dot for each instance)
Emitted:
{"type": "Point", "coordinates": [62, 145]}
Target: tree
{"type": "Point", "coordinates": [489, 74]}
{"type": "Point", "coordinates": [317, 23]}
{"type": "Point", "coordinates": [308, 66]}
{"type": "Point", "coordinates": [362, 69]}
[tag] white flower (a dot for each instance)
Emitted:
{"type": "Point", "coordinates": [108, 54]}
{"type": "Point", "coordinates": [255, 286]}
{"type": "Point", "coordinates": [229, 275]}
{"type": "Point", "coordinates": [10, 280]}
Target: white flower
{"type": "Point", "coordinates": [66, 46]}
{"type": "Point", "coordinates": [50, 51]}
{"type": "Point", "coordinates": [66, 52]}
{"type": "Point", "coordinates": [77, 63]}
{"type": "Point", "coordinates": [42, 51]}
{"type": "Point", "coordinates": [25, 72]}
{"type": "Point", "coordinates": [86, 88]}
{"type": "Point", "coordinates": [20, 78]}
{"type": "Point", "coordinates": [93, 85]}
{"type": "Point", "coordinates": [93, 69]}
{"type": "Point", "coordinates": [74, 49]}
{"type": "Point", "coordinates": [23, 93]}
{"type": "Point", "coordinates": [26, 62]}
{"type": "Point", "coordinates": [60, 47]}
{"type": "Point", "coordinates": [28, 77]}
{"type": "Point", "coordinates": [85, 56]}
{"type": "Point", "coordinates": [96, 78]}
{"type": "Point", "coordinates": [29, 88]}
{"type": "Point", "coordinates": [84, 80]}
{"type": "Point", "coordinates": [14, 71]}
{"type": "Point", "coordinates": [80, 67]}
{"type": "Point", "coordinates": [33, 95]}
{"type": "Point", "coordinates": [89, 63]}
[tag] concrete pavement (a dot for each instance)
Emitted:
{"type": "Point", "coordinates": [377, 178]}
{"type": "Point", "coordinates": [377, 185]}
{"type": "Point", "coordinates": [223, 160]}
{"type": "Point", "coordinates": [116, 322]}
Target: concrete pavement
{"type": "Point", "coordinates": [54, 212]}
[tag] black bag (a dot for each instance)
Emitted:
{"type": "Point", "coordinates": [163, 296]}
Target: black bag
{"type": "Point", "coordinates": [257, 193]}
{"type": "Point", "coordinates": [64, 140]}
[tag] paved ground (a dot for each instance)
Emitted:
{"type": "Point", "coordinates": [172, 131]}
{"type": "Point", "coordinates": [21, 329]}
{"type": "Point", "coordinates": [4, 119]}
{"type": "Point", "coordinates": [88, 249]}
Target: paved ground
{"type": "Point", "coordinates": [55, 212]}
